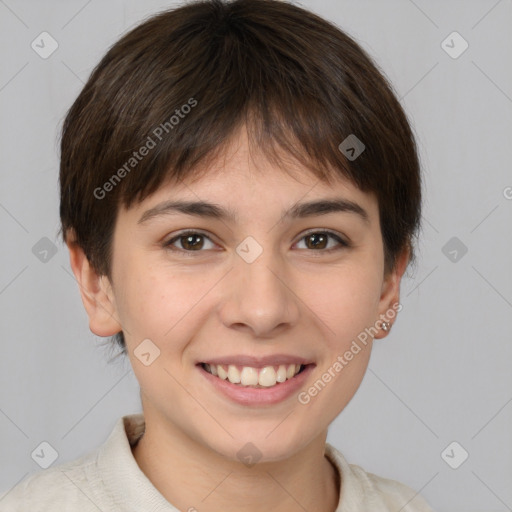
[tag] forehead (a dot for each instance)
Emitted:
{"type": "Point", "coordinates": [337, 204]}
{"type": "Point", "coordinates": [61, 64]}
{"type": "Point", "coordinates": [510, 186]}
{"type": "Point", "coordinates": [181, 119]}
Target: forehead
{"type": "Point", "coordinates": [244, 180]}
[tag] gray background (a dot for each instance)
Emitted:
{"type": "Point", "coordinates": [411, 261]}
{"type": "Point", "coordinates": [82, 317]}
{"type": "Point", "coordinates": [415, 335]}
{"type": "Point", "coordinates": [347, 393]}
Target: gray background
{"type": "Point", "coordinates": [443, 374]}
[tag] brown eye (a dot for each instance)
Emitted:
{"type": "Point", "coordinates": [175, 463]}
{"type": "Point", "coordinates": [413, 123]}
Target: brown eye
{"type": "Point", "coordinates": [316, 241]}
{"type": "Point", "coordinates": [191, 241]}
{"type": "Point", "coordinates": [319, 241]}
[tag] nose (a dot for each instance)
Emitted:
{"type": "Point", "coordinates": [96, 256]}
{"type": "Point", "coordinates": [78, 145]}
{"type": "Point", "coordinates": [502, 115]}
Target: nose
{"type": "Point", "coordinates": [259, 298]}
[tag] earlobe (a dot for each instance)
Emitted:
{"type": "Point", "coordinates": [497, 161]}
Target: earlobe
{"type": "Point", "coordinates": [96, 292]}
{"type": "Point", "coordinates": [390, 296]}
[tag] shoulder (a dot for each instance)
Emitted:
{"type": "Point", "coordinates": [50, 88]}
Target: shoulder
{"type": "Point", "coordinates": [395, 495]}
{"type": "Point", "coordinates": [372, 492]}
{"type": "Point", "coordinates": [84, 484]}
{"type": "Point", "coordinates": [68, 486]}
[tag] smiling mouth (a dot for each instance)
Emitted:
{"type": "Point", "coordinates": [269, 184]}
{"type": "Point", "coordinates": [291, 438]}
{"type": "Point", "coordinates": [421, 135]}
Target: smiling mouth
{"type": "Point", "coordinates": [247, 376]}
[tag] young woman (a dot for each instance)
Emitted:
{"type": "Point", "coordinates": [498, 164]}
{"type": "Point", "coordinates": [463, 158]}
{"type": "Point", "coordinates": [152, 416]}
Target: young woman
{"type": "Point", "coordinates": [240, 190]}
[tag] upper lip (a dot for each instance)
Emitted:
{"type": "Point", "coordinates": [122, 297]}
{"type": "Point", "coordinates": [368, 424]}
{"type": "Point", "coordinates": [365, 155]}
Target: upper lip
{"type": "Point", "coordinates": [257, 362]}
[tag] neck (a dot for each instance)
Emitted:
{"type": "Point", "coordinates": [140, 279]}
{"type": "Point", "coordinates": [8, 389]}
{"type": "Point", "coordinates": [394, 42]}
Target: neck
{"type": "Point", "coordinates": [195, 478]}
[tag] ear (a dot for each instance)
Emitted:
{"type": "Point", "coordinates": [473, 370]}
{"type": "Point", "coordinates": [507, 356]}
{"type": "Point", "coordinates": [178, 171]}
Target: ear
{"type": "Point", "coordinates": [97, 294]}
{"type": "Point", "coordinates": [391, 292]}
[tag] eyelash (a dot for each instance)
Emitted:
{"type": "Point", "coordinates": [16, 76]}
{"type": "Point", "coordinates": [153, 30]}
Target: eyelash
{"type": "Point", "coordinates": [342, 243]}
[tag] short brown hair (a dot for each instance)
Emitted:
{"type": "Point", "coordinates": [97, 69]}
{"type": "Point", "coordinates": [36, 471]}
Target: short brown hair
{"type": "Point", "coordinates": [295, 80]}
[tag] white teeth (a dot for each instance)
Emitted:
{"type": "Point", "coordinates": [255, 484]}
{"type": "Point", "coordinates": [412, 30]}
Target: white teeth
{"type": "Point", "coordinates": [233, 374]}
{"type": "Point", "coordinates": [281, 373]}
{"type": "Point", "coordinates": [223, 374]}
{"type": "Point", "coordinates": [265, 377]}
{"type": "Point", "coordinates": [249, 376]}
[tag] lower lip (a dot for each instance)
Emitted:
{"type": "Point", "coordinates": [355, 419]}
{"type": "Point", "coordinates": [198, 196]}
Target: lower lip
{"type": "Point", "coordinates": [259, 396]}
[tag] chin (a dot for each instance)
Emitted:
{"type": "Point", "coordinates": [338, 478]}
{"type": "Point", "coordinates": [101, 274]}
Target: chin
{"type": "Point", "coordinates": [264, 443]}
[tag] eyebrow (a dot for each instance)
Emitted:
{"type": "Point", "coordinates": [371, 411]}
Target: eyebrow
{"type": "Point", "coordinates": [298, 211]}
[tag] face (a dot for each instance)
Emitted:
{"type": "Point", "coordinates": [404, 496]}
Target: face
{"type": "Point", "coordinates": [265, 288]}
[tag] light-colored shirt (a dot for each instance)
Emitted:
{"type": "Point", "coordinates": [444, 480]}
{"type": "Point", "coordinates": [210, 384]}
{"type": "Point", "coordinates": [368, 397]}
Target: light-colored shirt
{"type": "Point", "coordinates": [109, 479]}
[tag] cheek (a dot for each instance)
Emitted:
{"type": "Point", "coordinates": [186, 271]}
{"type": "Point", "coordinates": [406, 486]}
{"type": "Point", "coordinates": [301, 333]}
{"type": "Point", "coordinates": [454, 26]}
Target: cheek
{"type": "Point", "coordinates": [160, 305]}
{"type": "Point", "coordinates": [346, 301]}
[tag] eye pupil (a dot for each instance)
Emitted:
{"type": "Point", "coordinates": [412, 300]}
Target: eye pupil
{"type": "Point", "coordinates": [191, 241]}
{"type": "Point", "coordinates": [318, 239]}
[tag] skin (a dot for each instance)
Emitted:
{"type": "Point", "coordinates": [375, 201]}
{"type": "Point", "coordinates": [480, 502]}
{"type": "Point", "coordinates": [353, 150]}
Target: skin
{"type": "Point", "coordinates": [293, 299]}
